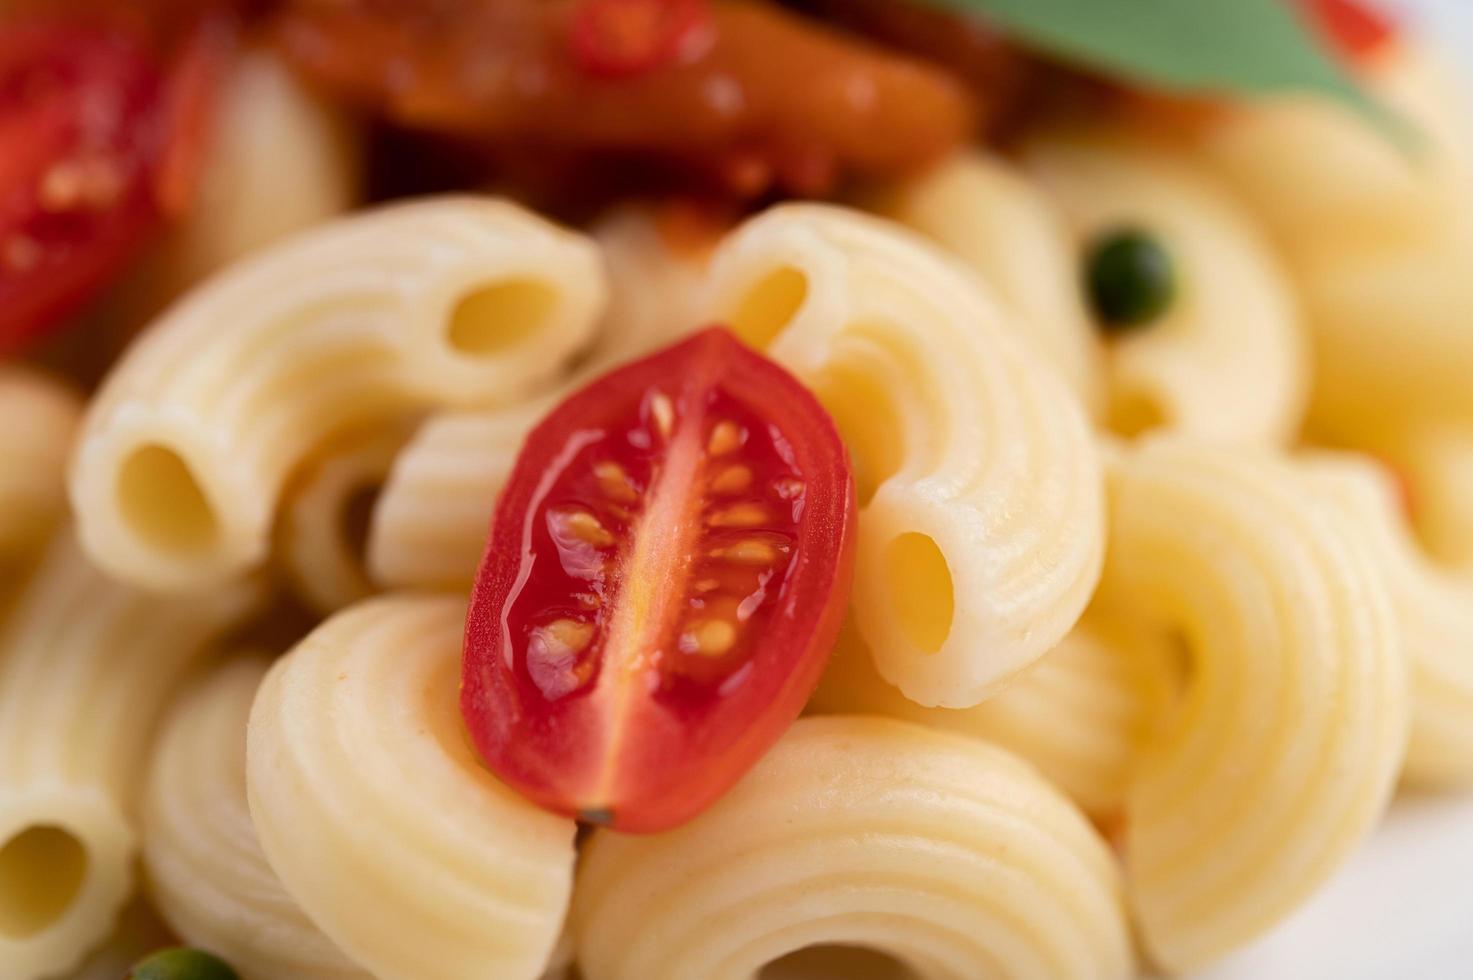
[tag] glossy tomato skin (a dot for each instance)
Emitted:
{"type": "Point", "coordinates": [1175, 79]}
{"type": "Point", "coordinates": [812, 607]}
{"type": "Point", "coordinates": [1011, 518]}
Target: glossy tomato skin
{"type": "Point", "coordinates": [664, 582]}
{"type": "Point", "coordinates": [80, 129]}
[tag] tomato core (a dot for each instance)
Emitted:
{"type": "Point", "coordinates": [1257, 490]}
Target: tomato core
{"type": "Point", "coordinates": [663, 584]}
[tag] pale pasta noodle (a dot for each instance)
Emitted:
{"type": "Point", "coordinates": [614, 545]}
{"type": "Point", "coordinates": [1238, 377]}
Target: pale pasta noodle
{"type": "Point", "coordinates": [980, 524]}
{"type": "Point", "coordinates": [943, 852]}
{"type": "Point", "coordinates": [431, 522]}
{"type": "Point", "coordinates": [86, 666]}
{"type": "Point", "coordinates": [40, 417]}
{"type": "Point", "coordinates": [138, 932]}
{"type": "Point", "coordinates": [206, 871]}
{"type": "Point", "coordinates": [1226, 360]}
{"type": "Point", "coordinates": [322, 533]}
{"type": "Point", "coordinates": [1435, 615]}
{"type": "Point", "coordinates": [1081, 714]}
{"type": "Point", "coordinates": [1437, 464]}
{"type": "Point", "coordinates": [278, 160]}
{"type": "Point", "coordinates": [1284, 748]}
{"type": "Point", "coordinates": [999, 223]}
{"type": "Point", "coordinates": [379, 819]}
{"type": "Point", "coordinates": [1379, 235]}
{"type": "Point", "coordinates": [452, 301]}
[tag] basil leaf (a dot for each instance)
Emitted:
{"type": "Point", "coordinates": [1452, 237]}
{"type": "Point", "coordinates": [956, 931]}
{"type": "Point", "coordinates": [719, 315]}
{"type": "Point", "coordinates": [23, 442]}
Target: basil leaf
{"type": "Point", "coordinates": [1194, 46]}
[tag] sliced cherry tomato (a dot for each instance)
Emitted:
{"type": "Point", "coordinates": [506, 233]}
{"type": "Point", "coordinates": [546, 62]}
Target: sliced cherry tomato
{"type": "Point", "coordinates": [1354, 28]}
{"type": "Point", "coordinates": [79, 136]}
{"type": "Point", "coordinates": [623, 38]}
{"type": "Point", "coordinates": [665, 579]}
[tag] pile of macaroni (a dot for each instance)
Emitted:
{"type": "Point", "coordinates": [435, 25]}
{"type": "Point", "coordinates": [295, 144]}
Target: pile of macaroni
{"type": "Point", "coordinates": [1144, 634]}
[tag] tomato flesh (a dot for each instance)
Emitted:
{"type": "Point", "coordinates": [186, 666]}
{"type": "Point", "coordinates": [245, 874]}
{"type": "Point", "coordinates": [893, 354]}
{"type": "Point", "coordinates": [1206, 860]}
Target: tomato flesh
{"type": "Point", "coordinates": [664, 581]}
{"type": "Point", "coordinates": [624, 38]}
{"type": "Point", "coordinates": [79, 134]}
{"type": "Point", "coordinates": [1354, 29]}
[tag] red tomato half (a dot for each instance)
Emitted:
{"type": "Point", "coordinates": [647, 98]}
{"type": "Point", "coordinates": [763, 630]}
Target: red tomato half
{"type": "Point", "coordinates": [79, 134]}
{"type": "Point", "coordinates": [664, 582]}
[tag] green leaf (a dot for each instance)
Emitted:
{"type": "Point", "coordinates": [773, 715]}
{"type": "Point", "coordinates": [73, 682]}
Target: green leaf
{"type": "Point", "coordinates": [1190, 46]}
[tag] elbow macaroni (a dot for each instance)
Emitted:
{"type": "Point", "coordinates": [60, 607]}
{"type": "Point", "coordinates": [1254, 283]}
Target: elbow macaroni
{"type": "Point", "coordinates": [322, 535]}
{"type": "Point", "coordinates": [1081, 714]}
{"type": "Point", "coordinates": [86, 666]}
{"type": "Point", "coordinates": [41, 418]}
{"type": "Point", "coordinates": [429, 528]}
{"type": "Point", "coordinates": [948, 854]}
{"type": "Point", "coordinates": [980, 527]}
{"type": "Point", "coordinates": [1001, 225]}
{"type": "Point", "coordinates": [1226, 360]}
{"type": "Point", "coordinates": [1435, 616]}
{"type": "Point", "coordinates": [456, 301]}
{"type": "Point", "coordinates": [1286, 743]}
{"type": "Point", "coordinates": [206, 871]}
{"type": "Point", "coordinates": [379, 819]}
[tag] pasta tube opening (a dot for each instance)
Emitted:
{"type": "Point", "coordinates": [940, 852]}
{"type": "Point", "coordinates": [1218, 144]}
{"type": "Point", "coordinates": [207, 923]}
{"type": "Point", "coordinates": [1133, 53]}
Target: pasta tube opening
{"type": "Point", "coordinates": [41, 870]}
{"type": "Point", "coordinates": [163, 502]}
{"type": "Point", "coordinates": [501, 315]}
{"type": "Point", "coordinates": [770, 306]}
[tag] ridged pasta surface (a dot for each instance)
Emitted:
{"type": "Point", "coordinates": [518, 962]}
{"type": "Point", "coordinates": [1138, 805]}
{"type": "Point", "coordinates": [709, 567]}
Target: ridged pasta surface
{"type": "Point", "coordinates": [206, 871]}
{"type": "Point", "coordinates": [1226, 359]}
{"type": "Point", "coordinates": [1290, 732]}
{"type": "Point", "coordinates": [980, 528]}
{"type": "Point", "coordinates": [86, 668]}
{"type": "Point", "coordinates": [450, 301]}
{"type": "Point", "coordinates": [1081, 715]}
{"type": "Point", "coordinates": [1434, 612]}
{"type": "Point", "coordinates": [944, 852]}
{"type": "Point", "coordinates": [379, 819]}
{"type": "Point", "coordinates": [998, 221]}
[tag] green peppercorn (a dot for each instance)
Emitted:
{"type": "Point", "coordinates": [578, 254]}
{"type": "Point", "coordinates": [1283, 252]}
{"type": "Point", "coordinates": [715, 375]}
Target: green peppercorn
{"type": "Point", "coordinates": [1131, 278]}
{"type": "Point", "coordinates": [181, 963]}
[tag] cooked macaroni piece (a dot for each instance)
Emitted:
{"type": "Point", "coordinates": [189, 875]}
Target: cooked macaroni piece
{"type": "Point", "coordinates": [1379, 235]}
{"type": "Point", "coordinates": [379, 819]}
{"type": "Point", "coordinates": [1286, 743]}
{"type": "Point", "coordinates": [322, 534]}
{"type": "Point", "coordinates": [139, 932]}
{"type": "Point", "coordinates": [279, 159]}
{"type": "Point", "coordinates": [980, 524]}
{"type": "Point", "coordinates": [1226, 360]}
{"type": "Point", "coordinates": [944, 852]}
{"type": "Point", "coordinates": [431, 523]}
{"type": "Point", "coordinates": [1436, 464]}
{"type": "Point", "coordinates": [206, 871]}
{"type": "Point", "coordinates": [1081, 714]}
{"type": "Point", "coordinates": [432, 518]}
{"type": "Point", "coordinates": [453, 301]}
{"type": "Point", "coordinates": [1435, 615]}
{"type": "Point", "coordinates": [1000, 224]}
{"type": "Point", "coordinates": [86, 666]}
{"type": "Point", "coordinates": [40, 418]}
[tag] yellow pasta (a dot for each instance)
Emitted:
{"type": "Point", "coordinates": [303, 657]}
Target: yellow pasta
{"type": "Point", "coordinates": [1000, 224]}
{"type": "Point", "coordinates": [1435, 616]}
{"type": "Point", "coordinates": [86, 666]}
{"type": "Point", "coordinates": [278, 160]}
{"type": "Point", "coordinates": [431, 521]}
{"type": "Point", "coordinates": [1226, 360]}
{"type": "Point", "coordinates": [322, 533]}
{"type": "Point", "coordinates": [379, 819]}
{"type": "Point", "coordinates": [206, 871]}
{"type": "Point", "coordinates": [139, 932]}
{"type": "Point", "coordinates": [980, 524]}
{"type": "Point", "coordinates": [943, 852]}
{"type": "Point", "coordinates": [1436, 463]}
{"type": "Point", "coordinates": [1379, 238]}
{"type": "Point", "coordinates": [42, 417]}
{"type": "Point", "coordinates": [1286, 743]}
{"type": "Point", "coordinates": [1081, 714]}
{"type": "Point", "coordinates": [453, 301]}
